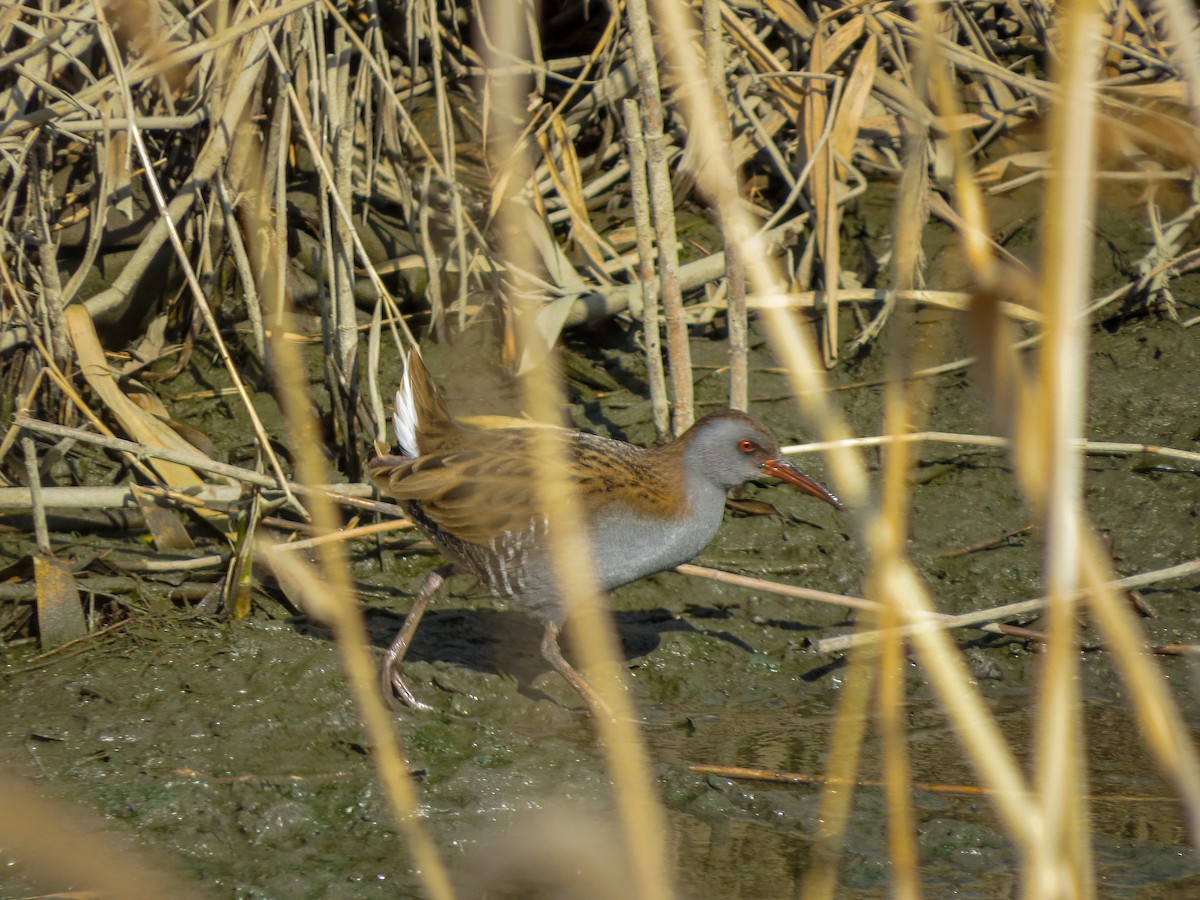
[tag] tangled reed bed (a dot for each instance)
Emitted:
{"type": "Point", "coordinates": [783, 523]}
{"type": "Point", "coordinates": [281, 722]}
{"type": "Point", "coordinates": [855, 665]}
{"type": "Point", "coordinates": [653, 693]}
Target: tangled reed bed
{"type": "Point", "coordinates": [173, 170]}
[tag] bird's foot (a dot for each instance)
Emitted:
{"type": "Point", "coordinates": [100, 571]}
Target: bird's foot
{"type": "Point", "coordinates": [395, 688]}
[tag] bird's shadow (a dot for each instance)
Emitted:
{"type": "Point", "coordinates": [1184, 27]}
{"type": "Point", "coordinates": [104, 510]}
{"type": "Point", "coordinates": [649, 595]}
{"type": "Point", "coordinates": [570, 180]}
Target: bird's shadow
{"type": "Point", "coordinates": [508, 641]}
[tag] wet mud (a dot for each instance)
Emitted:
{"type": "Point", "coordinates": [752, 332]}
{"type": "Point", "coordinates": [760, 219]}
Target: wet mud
{"type": "Point", "coordinates": [232, 750]}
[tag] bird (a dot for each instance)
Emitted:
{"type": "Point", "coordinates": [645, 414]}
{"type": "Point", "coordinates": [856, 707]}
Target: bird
{"type": "Point", "coordinates": [471, 491]}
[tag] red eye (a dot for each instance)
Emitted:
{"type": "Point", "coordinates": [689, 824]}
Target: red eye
{"type": "Point", "coordinates": [747, 446]}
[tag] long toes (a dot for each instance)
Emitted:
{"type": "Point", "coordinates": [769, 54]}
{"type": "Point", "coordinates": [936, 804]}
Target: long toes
{"type": "Point", "coordinates": [389, 695]}
{"type": "Point", "coordinates": [401, 690]}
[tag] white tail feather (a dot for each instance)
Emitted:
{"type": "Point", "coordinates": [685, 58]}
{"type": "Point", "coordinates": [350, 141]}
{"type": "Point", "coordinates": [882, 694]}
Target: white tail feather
{"type": "Point", "coordinates": [405, 418]}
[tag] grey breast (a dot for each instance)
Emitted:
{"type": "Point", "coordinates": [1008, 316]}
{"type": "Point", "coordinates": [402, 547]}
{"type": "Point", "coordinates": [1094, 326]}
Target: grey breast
{"type": "Point", "coordinates": [628, 545]}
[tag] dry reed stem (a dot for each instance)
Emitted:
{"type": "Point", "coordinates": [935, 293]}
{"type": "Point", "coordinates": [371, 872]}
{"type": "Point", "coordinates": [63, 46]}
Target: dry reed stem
{"type": "Point", "coordinates": [339, 306]}
{"type": "Point", "coordinates": [663, 207]}
{"type": "Point", "coordinates": [904, 401]}
{"type": "Point", "coordinates": [946, 670]}
{"type": "Point", "coordinates": [715, 65]}
{"type": "Point", "coordinates": [1062, 864]}
{"type": "Point", "coordinates": [71, 847]}
{"type": "Point", "coordinates": [1118, 448]}
{"type": "Point", "coordinates": [819, 107]}
{"type": "Point", "coordinates": [36, 501]}
{"type": "Point", "coordinates": [956, 300]}
{"type": "Point", "coordinates": [331, 587]}
{"type": "Point", "coordinates": [104, 498]}
{"type": "Point", "coordinates": [785, 590]}
{"type": "Point", "coordinates": [197, 293]}
{"type": "Point", "coordinates": [640, 199]}
{"type": "Point", "coordinates": [354, 495]}
{"type": "Point", "coordinates": [643, 823]}
{"type": "Point", "coordinates": [967, 790]}
{"type": "Point", "coordinates": [447, 140]}
{"type": "Point", "coordinates": [1009, 610]}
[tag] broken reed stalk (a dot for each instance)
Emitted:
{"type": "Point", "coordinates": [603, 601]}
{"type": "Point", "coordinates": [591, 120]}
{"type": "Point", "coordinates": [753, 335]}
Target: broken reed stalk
{"type": "Point", "coordinates": [995, 613]}
{"type": "Point", "coordinates": [662, 203]}
{"type": "Point", "coordinates": [651, 342]}
{"type": "Point", "coordinates": [735, 276]}
{"type": "Point", "coordinates": [40, 531]}
{"type": "Point", "coordinates": [349, 494]}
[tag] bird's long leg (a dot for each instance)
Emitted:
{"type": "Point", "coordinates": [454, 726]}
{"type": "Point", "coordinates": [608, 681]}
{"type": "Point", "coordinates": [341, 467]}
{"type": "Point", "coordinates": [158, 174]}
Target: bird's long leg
{"type": "Point", "coordinates": [393, 683]}
{"type": "Point", "coordinates": [553, 654]}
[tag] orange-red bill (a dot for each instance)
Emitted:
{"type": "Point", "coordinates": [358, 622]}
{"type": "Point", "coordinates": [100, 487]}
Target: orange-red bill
{"type": "Point", "coordinates": [784, 470]}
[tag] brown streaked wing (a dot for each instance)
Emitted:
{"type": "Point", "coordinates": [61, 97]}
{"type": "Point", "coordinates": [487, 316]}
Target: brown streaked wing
{"type": "Point", "coordinates": [473, 495]}
{"type": "Point", "coordinates": [488, 488]}
{"type": "Point", "coordinates": [649, 482]}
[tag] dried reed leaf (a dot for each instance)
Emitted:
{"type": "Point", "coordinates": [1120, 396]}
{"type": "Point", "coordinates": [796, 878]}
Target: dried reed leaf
{"type": "Point", "coordinates": [854, 100]}
{"type": "Point", "coordinates": [996, 171]}
{"type": "Point", "coordinates": [568, 181]}
{"type": "Point", "coordinates": [59, 610]}
{"type": "Point", "coordinates": [897, 95]}
{"type": "Point", "coordinates": [822, 186]}
{"type": "Point", "coordinates": [790, 16]}
{"type": "Point", "coordinates": [840, 42]}
{"type": "Point", "coordinates": [760, 57]}
{"type": "Point", "coordinates": [139, 425]}
{"type": "Point", "coordinates": [165, 524]}
{"type": "Point", "coordinates": [148, 402]}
